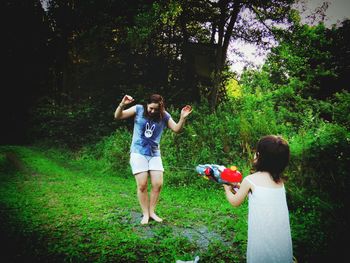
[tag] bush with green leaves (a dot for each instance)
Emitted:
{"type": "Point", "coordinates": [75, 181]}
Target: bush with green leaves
{"type": "Point", "coordinates": [319, 181]}
{"type": "Point", "coordinates": [72, 125]}
{"type": "Point", "coordinates": [321, 157]}
{"type": "Point", "coordinates": [336, 109]}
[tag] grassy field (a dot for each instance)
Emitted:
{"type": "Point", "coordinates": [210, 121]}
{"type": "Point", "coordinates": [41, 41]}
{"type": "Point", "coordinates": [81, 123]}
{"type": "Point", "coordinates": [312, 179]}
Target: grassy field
{"type": "Point", "coordinates": [57, 208]}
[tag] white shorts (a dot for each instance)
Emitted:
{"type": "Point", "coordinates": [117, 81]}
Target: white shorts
{"type": "Point", "coordinates": [142, 163]}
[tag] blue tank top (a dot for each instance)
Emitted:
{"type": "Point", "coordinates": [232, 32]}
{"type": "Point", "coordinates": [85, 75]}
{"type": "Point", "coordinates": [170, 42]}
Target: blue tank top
{"type": "Point", "coordinates": [147, 133]}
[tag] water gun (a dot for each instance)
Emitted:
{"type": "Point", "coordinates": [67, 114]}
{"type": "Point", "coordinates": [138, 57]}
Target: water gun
{"type": "Point", "coordinates": [220, 174]}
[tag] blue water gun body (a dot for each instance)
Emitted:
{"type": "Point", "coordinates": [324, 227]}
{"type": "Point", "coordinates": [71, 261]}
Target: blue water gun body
{"type": "Point", "coordinates": [211, 172]}
{"type": "Point", "coordinates": [220, 174]}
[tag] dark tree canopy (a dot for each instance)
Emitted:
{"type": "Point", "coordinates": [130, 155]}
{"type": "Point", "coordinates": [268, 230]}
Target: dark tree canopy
{"type": "Point", "coordinates": [95, 51]}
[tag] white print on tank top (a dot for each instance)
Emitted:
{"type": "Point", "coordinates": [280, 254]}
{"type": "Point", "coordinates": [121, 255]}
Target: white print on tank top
{"type": "Point", "coordinates": [149, 131]}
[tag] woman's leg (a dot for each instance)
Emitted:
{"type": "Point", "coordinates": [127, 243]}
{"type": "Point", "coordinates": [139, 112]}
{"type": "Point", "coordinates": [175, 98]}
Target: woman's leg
{"type": "Point", "coordinates": [142, 194]}
{"type": "Point", "coordinates": [157, 182]}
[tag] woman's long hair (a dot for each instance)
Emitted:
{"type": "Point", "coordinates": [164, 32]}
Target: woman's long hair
{"type": "Point", "coordinates": [272, 156]}
{"type": "Point", "coordinates": [155, 98]}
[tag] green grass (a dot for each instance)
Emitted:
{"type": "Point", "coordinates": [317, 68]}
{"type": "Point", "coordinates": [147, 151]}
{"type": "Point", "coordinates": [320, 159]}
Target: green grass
{"type": "Point", "coordinates": [55, 207]}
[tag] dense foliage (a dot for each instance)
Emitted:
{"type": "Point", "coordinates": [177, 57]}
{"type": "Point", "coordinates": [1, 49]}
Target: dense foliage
{"type": "Point", "coordinates": [76, 50]}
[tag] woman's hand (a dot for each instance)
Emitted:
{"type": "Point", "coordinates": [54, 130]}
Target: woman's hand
{"type": "Point", "coordinates": [186, 111]}
{"type": "Point", "coordinates": [127, 100]}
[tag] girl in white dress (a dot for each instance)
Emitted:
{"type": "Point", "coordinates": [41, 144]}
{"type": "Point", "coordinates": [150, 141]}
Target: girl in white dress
{"type": "Point", "coordinates": [269, 235]}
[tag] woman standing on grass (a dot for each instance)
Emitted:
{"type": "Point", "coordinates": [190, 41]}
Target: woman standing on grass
{"type": "Point", "coordinates": [150, 120]}
{"type": "Point", "coordinates": [269, 234]}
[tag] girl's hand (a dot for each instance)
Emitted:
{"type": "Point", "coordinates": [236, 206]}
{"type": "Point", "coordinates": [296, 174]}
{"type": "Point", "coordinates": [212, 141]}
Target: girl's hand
{"type": "Point", "coordinates": [228, 187]}
{"type": "Point", "coordinates": [236, 185]}
{"type": "Point", "coordinates": [127, 100]}
{"type": "Point", "coordinates": [186, 111]}
{"type": "Point", "coordinates": [233, 188]}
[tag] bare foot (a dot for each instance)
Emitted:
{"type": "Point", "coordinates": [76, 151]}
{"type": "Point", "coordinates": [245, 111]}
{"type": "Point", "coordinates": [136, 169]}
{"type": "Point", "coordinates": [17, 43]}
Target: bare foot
{"type": "Point", "coordinates": [144, 220]}
{"type": "Point", "coordinates": [156, 218]}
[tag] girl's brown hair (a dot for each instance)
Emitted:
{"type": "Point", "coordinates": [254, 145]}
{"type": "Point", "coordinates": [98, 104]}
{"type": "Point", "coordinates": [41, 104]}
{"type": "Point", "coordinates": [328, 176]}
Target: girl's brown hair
{"type": "Point", "coordinates": [155, 98]}
{"type": "Point", "coordinates": [272, 156]}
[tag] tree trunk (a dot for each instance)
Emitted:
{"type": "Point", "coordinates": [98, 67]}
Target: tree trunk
{"type": "Point", "coordinates": [223, 43]}
{"type": "Point", "coordinates": [216, 79]}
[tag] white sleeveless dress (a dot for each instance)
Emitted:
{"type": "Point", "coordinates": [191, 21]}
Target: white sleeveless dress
{"type": "Point", "coordinates": [269, 235]}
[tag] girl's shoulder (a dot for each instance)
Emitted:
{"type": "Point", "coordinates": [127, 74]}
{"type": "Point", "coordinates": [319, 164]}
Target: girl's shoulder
{"type": "Point", "coordinates": [250, 177]}
{"type": "Point", "coordinates": [262, 179]}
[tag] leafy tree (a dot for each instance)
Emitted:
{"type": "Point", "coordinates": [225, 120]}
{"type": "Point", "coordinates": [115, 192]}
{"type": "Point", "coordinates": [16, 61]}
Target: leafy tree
{"type": "Point", "coordinates": [229, 20]}
{"type": "Point", "coordinates": [140, 38]}
{"type": "Point", "coordinates": [309, 63]}
{"type": "Point", "coordinates": [314, 57]}
{"type": "Point", "coordinates": [91, 57]}
{"type": "Point", "coordinates": [209, 27]}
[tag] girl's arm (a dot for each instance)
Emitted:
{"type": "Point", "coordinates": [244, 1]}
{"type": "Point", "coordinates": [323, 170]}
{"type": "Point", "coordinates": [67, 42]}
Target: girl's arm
{"type": "Point", "coordinates": [238, 198]}
{"type": "Point", "coordinates": [123, 114]}
{"type": "Point", "coordinates": [176, 127]}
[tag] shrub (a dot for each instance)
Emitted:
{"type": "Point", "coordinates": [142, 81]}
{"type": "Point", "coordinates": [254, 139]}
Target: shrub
{"type": "Point", "coordinates": [73, 125]}
{"type": "Point", "coordinates": [321, 157]}
{"type": "Point", "coordinates": [319, 196]}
